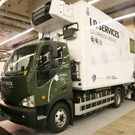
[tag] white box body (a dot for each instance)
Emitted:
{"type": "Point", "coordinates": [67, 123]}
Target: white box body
{"type": "Point", "coordinates": [108, 62]}
{"type": "Point", "coordinates": [105, 62]}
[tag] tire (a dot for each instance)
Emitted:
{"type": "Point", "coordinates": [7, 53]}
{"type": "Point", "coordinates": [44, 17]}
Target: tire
{"type": "Point", "coordinates": [117, 98]}
{"type": "Point", "coordinates": [59, 118]}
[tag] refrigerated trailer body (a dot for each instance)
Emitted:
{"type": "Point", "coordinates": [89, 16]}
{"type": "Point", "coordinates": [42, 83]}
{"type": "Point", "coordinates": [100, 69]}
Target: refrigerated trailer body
{"type": "Point", "coordinates": [104, 51]}
{"type": "Point", "coordinates": [84, 61]}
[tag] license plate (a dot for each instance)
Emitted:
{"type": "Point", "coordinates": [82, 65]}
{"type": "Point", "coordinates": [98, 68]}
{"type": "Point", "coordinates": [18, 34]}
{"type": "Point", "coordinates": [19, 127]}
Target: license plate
{"type": "Point", "coordinates": [7, 117]}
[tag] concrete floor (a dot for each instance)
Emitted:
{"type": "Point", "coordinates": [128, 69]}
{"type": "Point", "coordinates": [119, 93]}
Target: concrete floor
{"type": "Point", "coordinates": [122, 126]}
{"type": "Point", "coordinates": [82, 125]}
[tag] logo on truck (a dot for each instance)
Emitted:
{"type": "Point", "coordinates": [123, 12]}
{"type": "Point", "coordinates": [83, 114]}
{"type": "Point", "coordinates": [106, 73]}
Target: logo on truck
{"type": "Point", "coordinates": [104, 28]}
{"type": "Point", "coordinates": [7, 83]}
{"type": "Point", "coordinates": [96, 40]}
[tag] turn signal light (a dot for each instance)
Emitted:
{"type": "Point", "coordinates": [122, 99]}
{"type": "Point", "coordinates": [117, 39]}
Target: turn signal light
{"type": "Point", "coordinates": [74, 60]}
{"type": "Point", "coordinates": [43, 97]}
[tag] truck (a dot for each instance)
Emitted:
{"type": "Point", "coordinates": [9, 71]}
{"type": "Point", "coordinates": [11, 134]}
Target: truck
{"type": "Point", "coordinates": [84, 61]}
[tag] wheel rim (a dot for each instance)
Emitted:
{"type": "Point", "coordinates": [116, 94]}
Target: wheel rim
{"type": "Point", "coordinates": [118, 98]}
{"type": "Point", "coordinates": [60, 118]}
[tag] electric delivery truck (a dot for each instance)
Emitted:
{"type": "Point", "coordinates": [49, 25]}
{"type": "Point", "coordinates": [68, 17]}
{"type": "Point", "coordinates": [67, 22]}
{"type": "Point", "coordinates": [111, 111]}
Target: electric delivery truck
{"type": "Point", "coordinates": [84, 61]}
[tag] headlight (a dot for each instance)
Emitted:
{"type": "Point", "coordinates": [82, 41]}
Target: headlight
{"type": "Point", "coordinates": [29, 101]}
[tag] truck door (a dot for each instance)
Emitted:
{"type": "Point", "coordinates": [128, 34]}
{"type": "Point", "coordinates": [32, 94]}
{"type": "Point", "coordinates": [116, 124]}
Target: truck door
{"type": "Point", "coordinates": [44, 75]}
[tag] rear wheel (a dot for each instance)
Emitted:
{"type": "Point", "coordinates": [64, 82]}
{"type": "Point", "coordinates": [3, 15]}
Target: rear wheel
{"type": "Point", "coordinates": [117, 98]}
{"type": "Point", "coordinates": [59, 118]}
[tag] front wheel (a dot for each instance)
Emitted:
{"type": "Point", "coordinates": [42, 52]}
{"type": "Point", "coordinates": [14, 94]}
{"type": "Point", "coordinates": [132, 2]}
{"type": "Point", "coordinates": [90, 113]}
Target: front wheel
{"type": "Point", "coordinates": [59, 118]}
{"type": "Point", "coordinates": [117, 98]}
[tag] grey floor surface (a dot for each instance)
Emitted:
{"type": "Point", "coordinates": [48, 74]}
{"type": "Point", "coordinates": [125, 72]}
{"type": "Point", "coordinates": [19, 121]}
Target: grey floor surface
{"type": "Point", "coordinates": [82, 125]}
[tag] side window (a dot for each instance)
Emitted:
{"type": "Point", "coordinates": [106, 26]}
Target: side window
{"type": "Point", "coordinates": [132, 46]}
{"type": "Point", "coordinates": [44, 70]}
{"type": "Point", "coordinates": [43, 66]}
{"type": "Point", "coordinates": [60, 55]}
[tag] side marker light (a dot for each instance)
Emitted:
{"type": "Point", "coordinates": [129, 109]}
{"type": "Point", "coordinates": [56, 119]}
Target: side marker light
{"type": "Point", "coordinates": [43, 97]}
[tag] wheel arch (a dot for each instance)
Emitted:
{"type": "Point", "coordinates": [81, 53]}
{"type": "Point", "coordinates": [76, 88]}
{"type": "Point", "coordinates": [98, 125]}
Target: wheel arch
{"type": "Point", "coordinates": [67, 100]}
{"type": "Point", "coordinates": [121, 88]}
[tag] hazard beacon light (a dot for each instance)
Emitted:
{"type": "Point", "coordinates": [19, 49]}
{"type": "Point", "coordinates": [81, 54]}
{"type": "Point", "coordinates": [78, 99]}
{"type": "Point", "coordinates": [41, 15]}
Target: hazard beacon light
{"type": "Point", "coordinates": [51, 16]}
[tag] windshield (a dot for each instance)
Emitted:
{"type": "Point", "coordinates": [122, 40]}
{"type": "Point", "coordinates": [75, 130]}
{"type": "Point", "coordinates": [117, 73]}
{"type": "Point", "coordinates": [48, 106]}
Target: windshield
{"type": "Point", "coordinates": [20, 60]}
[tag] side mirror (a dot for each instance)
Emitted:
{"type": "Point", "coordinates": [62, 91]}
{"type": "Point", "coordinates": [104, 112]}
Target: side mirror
{"type": "Point", "coordinates": [54, 63]}
{"type": "Point", "coordinates": [53, 49]}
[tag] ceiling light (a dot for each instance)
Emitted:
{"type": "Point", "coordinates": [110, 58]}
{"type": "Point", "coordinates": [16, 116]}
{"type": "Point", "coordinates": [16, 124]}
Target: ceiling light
{"type": "Point", "coordinates": [4, 59]}
{"type": "Point", "coordinates": [4, 53]}
{"type": "Point", "coordinates": [94, 1]}
{"type": "Point", "coordinates": [10, 51]}
{"type": "Point", "coordinates": [124, 17]}
{"type": "Point", "coordinates": [111, 20]}
{"type": "Point", "coordinates": [2, 1]}
{"type": "Point", "coordinates": [19, 35]}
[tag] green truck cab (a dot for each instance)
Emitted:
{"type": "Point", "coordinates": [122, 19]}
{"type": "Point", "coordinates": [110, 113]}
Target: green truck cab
{"type": "Point", "coordinates": [37, 86]}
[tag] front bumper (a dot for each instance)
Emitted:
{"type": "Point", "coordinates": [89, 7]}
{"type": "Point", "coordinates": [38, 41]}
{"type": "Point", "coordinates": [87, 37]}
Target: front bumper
{"type": "Point", "coordinates": [19, 115]}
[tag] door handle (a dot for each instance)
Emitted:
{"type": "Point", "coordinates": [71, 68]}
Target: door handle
{"type": "Point", "coordinates": [64, 87]}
